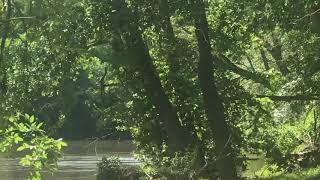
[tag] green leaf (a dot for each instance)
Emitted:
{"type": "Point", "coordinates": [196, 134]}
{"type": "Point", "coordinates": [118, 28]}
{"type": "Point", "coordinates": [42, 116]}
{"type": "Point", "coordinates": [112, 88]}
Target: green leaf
{"type": "Point", "coordinates": [39, 125]}
{"type": "Point", "coordinates": [26, 161]}
{"type": "Point", "coordinates": [27, 116]}
{"type": "Point", "coordinates": [60, 144]}
{"type": "Point", "coordinates": [12, 119]}
{"type": "Point", "coordinates": [23, 147]}
{"type": "Point", "coordinates": [31, 119]}
{"type": "Point", "coordinates": [17, 139]}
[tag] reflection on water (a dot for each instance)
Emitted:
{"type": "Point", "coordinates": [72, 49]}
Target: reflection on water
{"type": "Point", "coordinates": [79, 162]}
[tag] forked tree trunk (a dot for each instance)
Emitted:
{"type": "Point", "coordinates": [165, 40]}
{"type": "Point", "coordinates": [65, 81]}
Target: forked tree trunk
{"type": "Point", "coordinates": [177, 136]}
{"type": "Point", "coordinates": [172, 51]}
{"type": "Point", "coordinates": [213, 105]}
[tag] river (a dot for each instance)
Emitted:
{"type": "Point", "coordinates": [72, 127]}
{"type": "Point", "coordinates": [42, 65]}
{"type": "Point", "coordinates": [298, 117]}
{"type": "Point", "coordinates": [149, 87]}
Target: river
{"type": "Point", "coordinates": [79, 161]}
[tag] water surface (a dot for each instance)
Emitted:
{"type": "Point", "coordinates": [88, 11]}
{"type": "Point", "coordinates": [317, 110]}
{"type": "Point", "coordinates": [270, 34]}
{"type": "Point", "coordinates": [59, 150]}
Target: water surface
{"type": "Point", "coordinates": [79, 162]}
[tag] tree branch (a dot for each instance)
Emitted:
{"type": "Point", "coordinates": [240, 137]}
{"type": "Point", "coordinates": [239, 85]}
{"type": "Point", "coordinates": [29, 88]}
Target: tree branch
{"type": "Point", "coordinates": [16, 18]}
{"type": "Point", "coordinates": [308, 15]}
{"type": "Point", "coordinates": [224, 63]}
{"type": "Point", "coordinates": [298, 97]}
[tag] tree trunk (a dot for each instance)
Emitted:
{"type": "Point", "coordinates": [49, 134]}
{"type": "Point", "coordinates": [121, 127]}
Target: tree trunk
{"type": "Point", "coordinates": [172, 49]}
{"type": "Point", "coordinates": [170, 42]}
{"type": "Point", "coordinates": [213, 105]}
{"type": "Point", "coordinates": [177, 136]}
{"type": "Point", "coordinates": [6, 30]}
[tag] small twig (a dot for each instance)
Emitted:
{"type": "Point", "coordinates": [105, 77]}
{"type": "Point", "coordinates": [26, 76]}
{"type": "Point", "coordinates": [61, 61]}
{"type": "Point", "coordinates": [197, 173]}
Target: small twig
{"type": "Point", "coordinates": [95, 148]}
{"type": "Point", "coordinates": [308, 15]}
{"type": "Point", "coordinates": [147, 175]}
{"type": "Point", "coordinates": [110, 85]}
{"type": "Point", "coordinates": [102, 85]}
{"type": "Point", "coordinates": [186, 30]}
{"type": "Point", "coordinates": [203, 167]}
{"type": "Point", "coordinates": [17, 18]}
{"type": "Point", "coordinates": [96, 140]}
{"type": "Point", "coordinates": [224, 147]}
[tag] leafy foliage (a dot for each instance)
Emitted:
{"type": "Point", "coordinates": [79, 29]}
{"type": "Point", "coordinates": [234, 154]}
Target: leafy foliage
{"type": "Point", "coordinates": [24, 135]}
{"type": "Point", "coordinates": [81, 71]}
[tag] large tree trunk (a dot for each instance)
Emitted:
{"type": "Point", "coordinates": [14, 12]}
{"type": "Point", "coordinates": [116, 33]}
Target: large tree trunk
{"type": "Point", "coordinates": [173, 51]}
{"type": "Point", "coordinates": [171, 48]}
{"type": "Point", "coordinates": [177, 136]}
{"type": "Point", "coordinates": [213, 105]}
{"type": "Point", "coordinates": [6, 30]}
{"type": "Point", "coordinates": [170, 43]}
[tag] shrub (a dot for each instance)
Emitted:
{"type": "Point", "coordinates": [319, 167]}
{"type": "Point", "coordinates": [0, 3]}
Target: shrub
{"type": "Point", "coordinates": [111, 168]}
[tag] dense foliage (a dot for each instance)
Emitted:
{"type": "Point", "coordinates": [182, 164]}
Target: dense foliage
{"type": "Point", "coordinates": [202, 81]}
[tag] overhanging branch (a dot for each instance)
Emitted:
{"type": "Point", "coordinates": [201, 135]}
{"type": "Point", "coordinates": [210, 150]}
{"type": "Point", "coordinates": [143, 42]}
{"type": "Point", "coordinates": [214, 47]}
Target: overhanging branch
{"type": "Point", "coordinates": [291, 98]}
{"type": "Point", "coordinates": [225, 63]}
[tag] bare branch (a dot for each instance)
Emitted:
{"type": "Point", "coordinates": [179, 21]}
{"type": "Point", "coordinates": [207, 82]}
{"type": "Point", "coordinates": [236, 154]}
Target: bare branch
{"type": "Point", "coordinates": [308, 15]}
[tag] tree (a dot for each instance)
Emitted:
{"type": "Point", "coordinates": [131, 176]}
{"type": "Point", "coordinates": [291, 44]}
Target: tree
{"type": "Point", "coordinates": [212, 102]}
{"type": "Point", "coordinates": [177, 136]}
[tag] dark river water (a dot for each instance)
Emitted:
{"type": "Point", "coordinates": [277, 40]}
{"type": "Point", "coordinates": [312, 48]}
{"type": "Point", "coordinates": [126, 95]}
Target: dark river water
{"type": "Point", "coordinates": [79, 161]}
